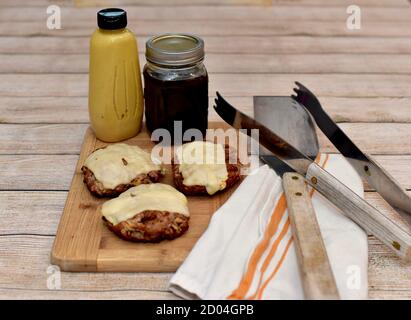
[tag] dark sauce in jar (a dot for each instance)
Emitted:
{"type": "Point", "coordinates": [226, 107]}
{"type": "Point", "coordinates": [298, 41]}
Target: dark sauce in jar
{"type": "Point", "coordinates": [175, 84]}
{"type": "Point", "coordinates": [180, 100]}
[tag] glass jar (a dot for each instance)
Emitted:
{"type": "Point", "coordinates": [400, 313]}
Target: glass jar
{"type": "Point", "coordinates": [175, 83]}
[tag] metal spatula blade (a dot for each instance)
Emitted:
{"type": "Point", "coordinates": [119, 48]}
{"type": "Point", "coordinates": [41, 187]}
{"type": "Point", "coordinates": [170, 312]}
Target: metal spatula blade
{"type": "Point", "coordinates": [290, 121]}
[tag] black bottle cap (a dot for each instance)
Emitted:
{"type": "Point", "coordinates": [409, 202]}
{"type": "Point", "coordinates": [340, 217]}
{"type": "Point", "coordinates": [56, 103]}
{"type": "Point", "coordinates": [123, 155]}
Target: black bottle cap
{"type": "Point", "coordinates": [111, 19]}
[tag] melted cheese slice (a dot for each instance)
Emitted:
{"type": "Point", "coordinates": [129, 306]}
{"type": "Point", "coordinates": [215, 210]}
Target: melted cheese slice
{"type": "Point", "coordinates": [156, 196]}
{"type": "Point", "coordinates": [203, 163]}
{"type": "Point", "coordinates": [119, 164]}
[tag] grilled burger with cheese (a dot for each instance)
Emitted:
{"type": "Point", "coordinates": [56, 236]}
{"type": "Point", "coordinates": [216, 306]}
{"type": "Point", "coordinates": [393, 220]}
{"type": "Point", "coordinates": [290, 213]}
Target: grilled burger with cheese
{"type": "Point", "coordinates": [147, 213]}
{"type": "Point", "coordinates": [112, 170]}
{"type": "Point", "coordinates": [202, 167]}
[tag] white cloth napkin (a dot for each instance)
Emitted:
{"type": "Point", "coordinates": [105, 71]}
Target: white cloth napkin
{"type": "Point", "coordinates": [247, 252]}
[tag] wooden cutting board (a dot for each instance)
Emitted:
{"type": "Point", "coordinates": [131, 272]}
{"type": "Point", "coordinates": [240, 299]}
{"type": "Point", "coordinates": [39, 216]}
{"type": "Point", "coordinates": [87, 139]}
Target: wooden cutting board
{"type": "Point", "coordinates": [83, 242]}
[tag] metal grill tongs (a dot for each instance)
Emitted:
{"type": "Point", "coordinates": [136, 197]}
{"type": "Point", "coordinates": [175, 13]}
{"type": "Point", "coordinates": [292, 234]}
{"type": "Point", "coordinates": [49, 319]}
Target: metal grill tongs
{"type": "Point", "coordinates": [353, 206]}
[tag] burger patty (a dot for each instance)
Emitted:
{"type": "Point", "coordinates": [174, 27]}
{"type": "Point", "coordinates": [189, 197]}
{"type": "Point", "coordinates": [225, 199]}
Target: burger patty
{"type": "Point", "coordinates": [97, 188]}
{"type": "Point", "coordinates": [151, 226]}
{"type": "Point", "coordinates": [233, 171]}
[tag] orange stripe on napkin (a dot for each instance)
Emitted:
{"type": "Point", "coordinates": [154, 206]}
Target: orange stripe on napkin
{"type": "Point", "coordinates": [271, 254]}
{"type": "Point", "coordinates": [271, 230]}
{"type": "Point", "coordinates": [260, 291]}
{"type": "Point", "coordinates": [280, 237]}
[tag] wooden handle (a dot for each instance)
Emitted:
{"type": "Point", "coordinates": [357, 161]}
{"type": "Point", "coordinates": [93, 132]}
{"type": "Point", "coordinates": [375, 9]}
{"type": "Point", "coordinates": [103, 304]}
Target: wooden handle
{"type": "Point", "coordinates": [360, 211]}
{"type": "Point", "coordinates": [316, 274]}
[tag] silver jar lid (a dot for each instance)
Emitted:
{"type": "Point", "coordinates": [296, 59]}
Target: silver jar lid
{"type": "Point", "coordinates": [174, 50]}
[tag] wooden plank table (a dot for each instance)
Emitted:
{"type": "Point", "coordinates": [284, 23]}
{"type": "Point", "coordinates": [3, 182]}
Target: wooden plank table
{"type": "Point", "coordinates": [363, 78]}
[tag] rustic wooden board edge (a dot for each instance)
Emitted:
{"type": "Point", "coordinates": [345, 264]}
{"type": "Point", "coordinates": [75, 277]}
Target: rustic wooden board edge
{"type": "Point", "coordinates": [76, 260]}
{"type": "Point", "coordinates": [106, 262]}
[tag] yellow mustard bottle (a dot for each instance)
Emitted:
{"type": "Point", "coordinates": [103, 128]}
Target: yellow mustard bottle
{"type": "Point", "coordinates": [115, 90]}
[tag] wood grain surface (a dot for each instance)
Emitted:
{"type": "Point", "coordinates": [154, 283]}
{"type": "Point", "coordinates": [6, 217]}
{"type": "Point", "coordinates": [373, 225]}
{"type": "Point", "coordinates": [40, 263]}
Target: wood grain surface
{"type": "Point", "coordinates": [252, 47]}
